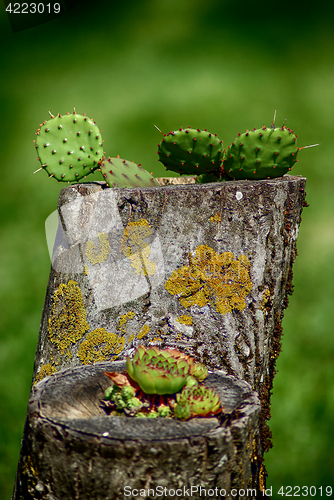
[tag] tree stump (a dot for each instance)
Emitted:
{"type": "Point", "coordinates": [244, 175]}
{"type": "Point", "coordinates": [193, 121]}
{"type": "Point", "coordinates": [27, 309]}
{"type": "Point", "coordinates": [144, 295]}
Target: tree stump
{"type": "Point", "coordinates": [205, 268]}
{"type": "Point", "coordinates": [72, 449]}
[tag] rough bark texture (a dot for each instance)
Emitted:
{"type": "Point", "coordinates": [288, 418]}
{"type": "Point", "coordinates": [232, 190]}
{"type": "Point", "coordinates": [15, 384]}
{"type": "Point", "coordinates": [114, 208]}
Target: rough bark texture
{"type": "Point", "coordinates": [71, 449]}
{"type": "Point", "coordinates": [203, 268]}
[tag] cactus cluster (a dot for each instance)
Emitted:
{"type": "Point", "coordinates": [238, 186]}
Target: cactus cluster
{"type": "Point", "coordinates": [70, 147]}
{"type": "Point", "coordinates": [151, 388]}
{"type": "Point", "coordinates": [262, 153]}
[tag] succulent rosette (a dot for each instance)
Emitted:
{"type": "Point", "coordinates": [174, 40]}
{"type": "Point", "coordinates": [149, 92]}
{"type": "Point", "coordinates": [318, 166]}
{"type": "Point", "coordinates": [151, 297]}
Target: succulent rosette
{"type": "Point", "coordinates": [158, 372]}
{"type": "Point", "coordinates": [199, 371]}
{"type": "Point", "coordinates": [196, 401]}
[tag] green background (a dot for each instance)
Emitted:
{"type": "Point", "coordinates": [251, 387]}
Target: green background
{"type": "Point", "coordinates": [215, 64]}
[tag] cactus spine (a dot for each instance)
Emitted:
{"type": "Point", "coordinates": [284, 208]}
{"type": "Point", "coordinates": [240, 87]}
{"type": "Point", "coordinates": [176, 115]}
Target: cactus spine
{"type": "Point", "coordinates": [69, 147]}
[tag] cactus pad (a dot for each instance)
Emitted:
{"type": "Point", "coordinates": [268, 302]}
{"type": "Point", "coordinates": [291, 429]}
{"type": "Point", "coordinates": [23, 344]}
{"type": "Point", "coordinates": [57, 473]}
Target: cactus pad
{"type": "Point", "coordinates": [125, 174]}
{"type": "Point", "coordinates": [261, 154]}
{"type": "Point", "coordinates": [69, 147]}
{"type": "Point", "coordinates": [205, 178]}
{"type": "Point", "coordinates": [191, 151]}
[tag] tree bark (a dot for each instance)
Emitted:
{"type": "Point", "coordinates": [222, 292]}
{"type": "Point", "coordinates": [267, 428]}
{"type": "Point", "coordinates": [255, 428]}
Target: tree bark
{"type": "Point", "coordinates": [72, 449]}
{"type": "Point", "coordinates": [203, 268]}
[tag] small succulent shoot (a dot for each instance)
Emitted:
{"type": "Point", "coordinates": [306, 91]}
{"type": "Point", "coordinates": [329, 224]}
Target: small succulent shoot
{"type": "Point", "coordinates": [183, 411]}
{"type": "Point", "coordinates": [199, 371]}
{"type": "Point", "coordinates": [133, 403]}
{"type": "Point", "coordinates": [164, 411]}
{"type": "Point", "coordinates": [191, 381]}
{"type": "Point", "coordinates": [110, 391]}
{"type": "Point", "coordinates": [140, 414]}
{"type": "Point", "coordinates": [152, 414]}
{"type": "Point", "coordinates": [128, 392]}
{"type": "Point", "coordinates": [197, 401]}
{"type": "Point", "coordinates": [69, 147]}
{"type": "Point", "coordinates": [158, 372]}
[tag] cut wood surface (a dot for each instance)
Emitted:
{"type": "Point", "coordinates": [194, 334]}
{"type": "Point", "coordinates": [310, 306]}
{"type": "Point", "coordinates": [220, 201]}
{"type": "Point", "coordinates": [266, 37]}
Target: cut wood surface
{"type": "Point", "coordinates": [72, 449]}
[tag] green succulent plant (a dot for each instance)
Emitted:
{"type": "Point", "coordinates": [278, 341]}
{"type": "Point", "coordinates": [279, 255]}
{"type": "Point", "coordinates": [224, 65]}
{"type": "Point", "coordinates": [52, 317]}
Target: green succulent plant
{"type": "Point", "coordinates": [196, 401]}
{"type": "Point", "coordinates": [199, 371]}
{"type": "Point", "coordinates": [164, 411]}
{"type": "Point", "coordinates": [183, 411]}
{"type": "Point", "coordinates": [158, 372]}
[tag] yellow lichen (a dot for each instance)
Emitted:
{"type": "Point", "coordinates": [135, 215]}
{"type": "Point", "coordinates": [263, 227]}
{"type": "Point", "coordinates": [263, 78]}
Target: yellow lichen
{"type": "Point", "coordinates": [124, 319]}
{"type": "Point", "coordinates": [264, 299]}
{"type": "Point", "coordinates": [156, 339]}
{"type": "Point", "coordinates": [262, 478]}
{"type": "Point", "coordinates": [136, 249]}
{"type": "Point", "coordinates": [67, 323]}
{"type": "Point", "coordinates": [131, 338]}
{"type": "Point", "coordinates": [45, 371]}
{"type": "Point", "coordinates": [213, 279]}
{"type": "Point", "coordinates": [28, 466]}
{"type": "Point", "coordinates": [120, 345]}
{"type": "Point", "coordinates": [143, 331]}
{"type": "Point", "coordinates": [98, 256]}
{"type": "Point", "coordinates": [86, 270]}
{"type": "Point", "coordinates": [215, 218]}
{"type": "Point", "coordinates": [99, 344]}
{"type": "Point", "coordinates": [186, 320]}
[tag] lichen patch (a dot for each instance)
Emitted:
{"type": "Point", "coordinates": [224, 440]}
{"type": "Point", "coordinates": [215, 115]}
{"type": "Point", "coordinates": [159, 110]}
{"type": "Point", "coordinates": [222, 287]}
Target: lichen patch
{"type": "Point", "coordinates": [98, 255]}
{"type": "Point", "coordinates": [213, 279]}
{"type": "Point", "coordinates": [67, 322]}
{"type": "Point", "coordinates": [45, 371]}
{"type": "Point", "coordinates": [99, 345]}
{"type": "Point", "coordinates": [136, 248]}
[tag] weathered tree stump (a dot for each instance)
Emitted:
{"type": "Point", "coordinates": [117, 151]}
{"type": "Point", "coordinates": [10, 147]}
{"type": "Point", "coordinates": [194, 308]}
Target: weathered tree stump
{"type": "Point", "coordinates": [72, 449]}
{"type": "Point", "coordinates": [203, 268]}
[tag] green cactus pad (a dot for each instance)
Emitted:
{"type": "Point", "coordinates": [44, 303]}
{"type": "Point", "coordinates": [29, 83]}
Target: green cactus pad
{"type": "Point", "coordinates": [125, 174]}
{"type": "Point", "coordinates": [261, 154]}
{"type": "Point", "coordinates": [191, 151]}
{"type": "Point", "coordinates": [69, 147]}
{"type": "Point", "coordinates": [206, 178]}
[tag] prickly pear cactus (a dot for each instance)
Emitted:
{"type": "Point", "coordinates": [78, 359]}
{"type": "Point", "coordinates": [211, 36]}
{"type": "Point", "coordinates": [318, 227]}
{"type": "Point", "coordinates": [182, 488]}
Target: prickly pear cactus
{"type": "Point", "coordinates": [69, 147]}
{"type": "Point", "coordinates": [261, 153]}
{"type": "Point", "coordinates": [123, 173]}
{"type": "Point", "coordinates": [191, 151]}
{"type": "Point", "coordinates": [205, 178]}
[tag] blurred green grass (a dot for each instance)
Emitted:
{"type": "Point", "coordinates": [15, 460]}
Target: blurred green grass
{"type": "Point", "coordinates": [207, 64]}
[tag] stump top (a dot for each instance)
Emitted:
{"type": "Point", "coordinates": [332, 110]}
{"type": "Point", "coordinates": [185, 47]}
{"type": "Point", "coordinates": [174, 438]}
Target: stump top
{"type": "Point", "coordinates": [72, 398]}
